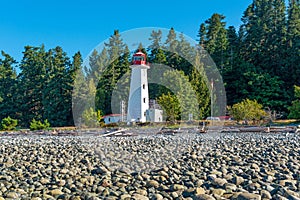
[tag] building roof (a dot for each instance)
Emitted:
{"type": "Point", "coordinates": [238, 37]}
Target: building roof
{"type": "Point", "coordinates": [138, 53]}
{"type": "Point", "coordinates": [112, 115]}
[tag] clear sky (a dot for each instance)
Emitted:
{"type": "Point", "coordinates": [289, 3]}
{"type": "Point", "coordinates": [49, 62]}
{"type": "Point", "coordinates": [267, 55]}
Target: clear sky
{"type": "Point", "coordinates": [82, 25]}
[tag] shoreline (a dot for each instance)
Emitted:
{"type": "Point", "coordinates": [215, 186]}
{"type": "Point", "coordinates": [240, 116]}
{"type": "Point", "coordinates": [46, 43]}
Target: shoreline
{"type": "Point", "coordinates": [183, 166]}
{"type": "Point", "coordinates": [152, 130]}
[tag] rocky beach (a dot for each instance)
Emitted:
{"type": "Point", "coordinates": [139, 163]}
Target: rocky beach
{"type": "Point", "coordinates": [182, 166]}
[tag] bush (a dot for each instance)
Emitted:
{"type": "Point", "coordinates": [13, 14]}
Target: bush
{"type": "Point", "coordinates": [38, 125]}
{"type": "Point", "coordinates": [247, 110]}
{"type": "Point", "coordinates": [91, 118]}
{"type": "Point", "coordinates": [8, 124]}
{"type": "Point", "coordinates": [170, 105]}
{"type": "Point", "coordinates": [294, 110]}
{"type": "Point", "coordinates": [295, 107]}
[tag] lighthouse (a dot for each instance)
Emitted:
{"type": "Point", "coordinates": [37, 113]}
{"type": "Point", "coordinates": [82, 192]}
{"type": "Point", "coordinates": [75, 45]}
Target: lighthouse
{"type": "Point", "coordinates": [138, 102]}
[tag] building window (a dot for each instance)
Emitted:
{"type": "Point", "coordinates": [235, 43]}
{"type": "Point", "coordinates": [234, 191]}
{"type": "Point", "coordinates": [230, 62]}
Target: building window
{"type": "Point", "coordinates": [143, 86]}
{"type": "Point", "coordinates": [144, 100]}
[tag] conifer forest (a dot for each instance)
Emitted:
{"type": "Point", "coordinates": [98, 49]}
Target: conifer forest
{"type": "Point", "coordinates": [260, 60]}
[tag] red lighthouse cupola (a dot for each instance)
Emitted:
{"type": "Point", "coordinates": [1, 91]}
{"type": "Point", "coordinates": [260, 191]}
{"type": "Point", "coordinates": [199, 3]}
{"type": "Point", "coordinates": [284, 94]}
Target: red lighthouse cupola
{"type": "Point", "coordinates": [139, 58]}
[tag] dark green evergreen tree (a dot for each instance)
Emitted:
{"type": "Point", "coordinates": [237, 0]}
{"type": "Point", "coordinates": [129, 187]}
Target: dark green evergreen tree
{"type": "Point", "coordinates": [263, 46]}
{"type": "Point", "coordinates": [292, 58]}
{"type": "Point", "coordinates": [156, 58]}
{"type": "Point", "coordinates": [197, 80]}
{"type": "Point", "coordinates": [156, 53]}
{"type": "Point", "coordinates": [202, 35]}
{"type": "Point", "coordinates": [121, 91]}
{"type": "Point", "coordinates": [171, 42]}
{"type": "Point", "coordinates": [93, 68]}
{"type": "Point", "coordinates": [216, 43]}
{"type": "Point", "coordinates": [8, 83]}
{"type": "Point", "coordinates": [74, 76]}
{"type": "Point", "coordinates": [31, 83]}
{"type": "Point", "coordinates": [141, 49]}
{"type": "Point", "coordinates": [185, 56]}
{"type": "Point", "coordinates": [55, 94]}
{"type": "Point", "coordinates": [170, 48]}
{"type": "Point", "coordinates": [108, 80]}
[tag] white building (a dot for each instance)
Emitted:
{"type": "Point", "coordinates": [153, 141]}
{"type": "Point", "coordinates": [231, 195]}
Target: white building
{"type": "Point", "coordinates": [138, 102]}
{"type": "Point", "coordinates": [112, 118]}
{"type": "Point", "coordinates": [154, 115]}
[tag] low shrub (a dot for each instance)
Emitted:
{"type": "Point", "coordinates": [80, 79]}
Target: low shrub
{"type": "Point", "coordinates": [8, 124]}
{"type": "Point", "coordinates": [38, 125]}
{"type": "Point", "coordinates": [91, 118]}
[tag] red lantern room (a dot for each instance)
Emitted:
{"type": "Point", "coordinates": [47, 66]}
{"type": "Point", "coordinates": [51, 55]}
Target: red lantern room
{"type": "Point", "coordinates": [139, 58]}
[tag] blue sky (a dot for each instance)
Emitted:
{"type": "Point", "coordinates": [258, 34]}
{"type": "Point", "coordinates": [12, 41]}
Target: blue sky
{"type": "Point", "coordinates": [81, 25]}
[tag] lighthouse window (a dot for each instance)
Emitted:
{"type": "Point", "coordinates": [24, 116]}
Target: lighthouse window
{"type": "Point", "coordinates": [139, 58]}
{"type": "Point", "coordinates": [144, 100]}
{"type": "Point", "coordinates": [143, 86]}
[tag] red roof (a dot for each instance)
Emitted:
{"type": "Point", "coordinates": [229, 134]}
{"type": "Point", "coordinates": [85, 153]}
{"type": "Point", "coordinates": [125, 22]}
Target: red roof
{"type": "Point", "coordinates": [112, 115]}
{"type": "Point", "coordinates": [224, 117]}
{"type": "Point", "coordinates": [139, 53]}
{"type": "Point", "coordinates": [139, 58]}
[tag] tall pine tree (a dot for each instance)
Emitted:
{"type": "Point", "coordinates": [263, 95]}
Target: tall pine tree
{"type": "Point", "coordinates": [8, 87]}
{"type": "Point", "coordinates": [107, 82]}
{"type": "Point", "coordinates": [31, 83]}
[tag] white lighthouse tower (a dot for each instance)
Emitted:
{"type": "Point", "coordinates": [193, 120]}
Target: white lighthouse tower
{"type": "Point", "coordinates": [138, 101]}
